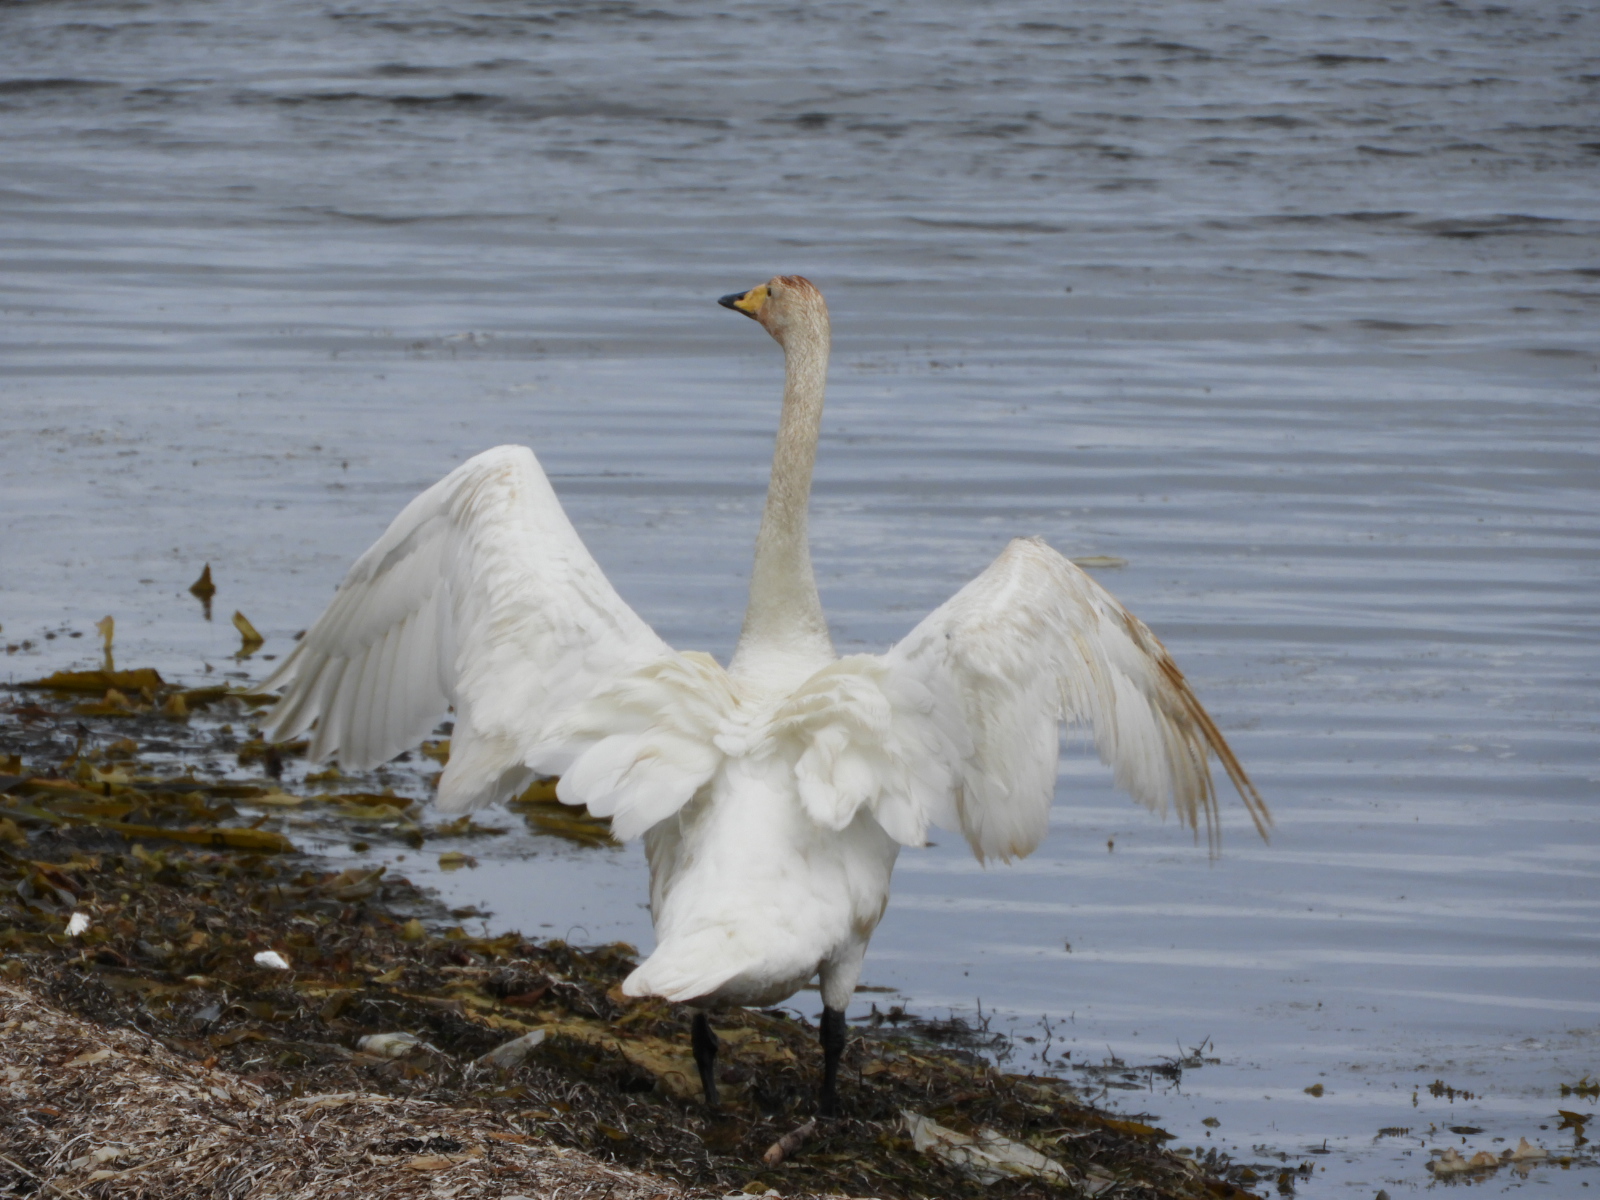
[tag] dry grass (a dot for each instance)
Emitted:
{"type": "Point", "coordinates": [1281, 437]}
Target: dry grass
{"type": "Point", "coordinates": [111, 1112]}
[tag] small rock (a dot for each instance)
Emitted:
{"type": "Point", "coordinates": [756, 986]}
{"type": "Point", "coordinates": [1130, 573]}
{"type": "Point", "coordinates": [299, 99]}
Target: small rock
{"type": "Point", "coordinates": [272, 960]}
{"type": "Point", "coordinates": [390, 1045]}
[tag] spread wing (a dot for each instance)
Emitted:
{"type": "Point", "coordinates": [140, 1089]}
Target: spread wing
{"type": "Point", "coordinates": [959, 724]}
{"type": "Point", "coordinates": [479, 595]}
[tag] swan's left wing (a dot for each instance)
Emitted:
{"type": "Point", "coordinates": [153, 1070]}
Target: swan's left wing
{"type": "Point", "coordinates": [973, 699]}
{"type": "Point", "coordinates": [480, 595]}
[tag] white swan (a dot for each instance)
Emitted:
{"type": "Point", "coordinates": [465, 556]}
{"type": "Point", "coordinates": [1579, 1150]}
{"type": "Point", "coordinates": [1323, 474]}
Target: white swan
{"type": "Point", "coordinates": [773, 795]}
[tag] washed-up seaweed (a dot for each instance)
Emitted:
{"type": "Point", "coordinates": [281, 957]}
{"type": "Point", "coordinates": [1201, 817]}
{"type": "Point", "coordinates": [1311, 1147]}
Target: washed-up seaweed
{"type": "Point", "coordinates": [109, 1111]}
{"type": "Point", "coordinates": [142, 887]}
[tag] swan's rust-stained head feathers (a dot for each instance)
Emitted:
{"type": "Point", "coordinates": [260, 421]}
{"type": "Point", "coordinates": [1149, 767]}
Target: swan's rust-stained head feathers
{"type": "Point", "coordinates": [780, 304]}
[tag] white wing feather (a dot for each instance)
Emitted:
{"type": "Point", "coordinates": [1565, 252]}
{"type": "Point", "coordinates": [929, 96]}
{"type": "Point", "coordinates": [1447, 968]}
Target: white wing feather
{"type": "Point", "coordinates": [979, 689]}
{"type": "Point", "coordinates": [479, 595]}
{"type": "Point", "coordinates": [642, 746]}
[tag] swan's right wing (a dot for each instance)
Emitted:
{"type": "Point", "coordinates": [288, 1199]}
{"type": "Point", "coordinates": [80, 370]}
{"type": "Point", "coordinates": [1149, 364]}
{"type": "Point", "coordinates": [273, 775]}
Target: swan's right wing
{"type": "Point", "coordinates": [479, 595]}
{"type": "Point", "coordinates": [958, 725]}
{"type": "Point", "coordinates": [982, 685]}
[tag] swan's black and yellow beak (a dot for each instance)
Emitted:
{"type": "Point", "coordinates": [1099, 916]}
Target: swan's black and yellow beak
{"type": "Point", "coordinates": [749, 303]}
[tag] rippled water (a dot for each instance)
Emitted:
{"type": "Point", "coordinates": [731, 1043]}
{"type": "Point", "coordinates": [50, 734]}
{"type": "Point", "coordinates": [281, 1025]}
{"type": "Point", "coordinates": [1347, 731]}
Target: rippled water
{"type": "Point", "coordinates": [1293, 310]}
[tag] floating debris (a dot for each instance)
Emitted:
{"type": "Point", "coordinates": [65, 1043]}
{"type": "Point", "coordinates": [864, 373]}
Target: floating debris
{"type": "Point", "coordinates": [107, 626]}
{"type": "Point", "coordinates": [1526, 1152]}
{"type": "Point", "coordinates": [249, 640]}
{"type": "Point", "coordinates": [543, 813]}
{"type": "Point", "coordinates": [203, 589]}
{"type": "Point", "coordinates": [139, 681]}
{"type": "Point", "coordinates": [1452, 1162]}
{"type": "Point", "coordinates": [1575, 1121]}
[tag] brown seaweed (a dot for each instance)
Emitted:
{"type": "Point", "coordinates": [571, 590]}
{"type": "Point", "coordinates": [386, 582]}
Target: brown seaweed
{"type": "Point", "coordinates": [177, 890]}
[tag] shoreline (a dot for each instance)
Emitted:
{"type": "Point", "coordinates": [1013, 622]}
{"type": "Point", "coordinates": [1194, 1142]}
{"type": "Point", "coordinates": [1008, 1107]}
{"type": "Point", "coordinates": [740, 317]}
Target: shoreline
{"type": "Point", "coordinates": [183, 897]}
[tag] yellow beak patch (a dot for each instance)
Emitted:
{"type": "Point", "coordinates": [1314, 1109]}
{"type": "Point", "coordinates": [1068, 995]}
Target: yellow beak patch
{"type": "Point", "coordinates": [750, 303]}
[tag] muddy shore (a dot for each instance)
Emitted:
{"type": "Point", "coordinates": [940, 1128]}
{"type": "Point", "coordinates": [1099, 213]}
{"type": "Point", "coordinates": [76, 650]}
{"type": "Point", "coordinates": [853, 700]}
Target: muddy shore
{"type": "Point", "coordinates": [164, 939]}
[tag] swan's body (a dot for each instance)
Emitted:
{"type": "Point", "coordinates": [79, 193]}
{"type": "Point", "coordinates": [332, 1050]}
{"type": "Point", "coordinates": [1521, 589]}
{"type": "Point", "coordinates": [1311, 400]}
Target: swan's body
{"type": "Point", "coordinates": [773, 795]}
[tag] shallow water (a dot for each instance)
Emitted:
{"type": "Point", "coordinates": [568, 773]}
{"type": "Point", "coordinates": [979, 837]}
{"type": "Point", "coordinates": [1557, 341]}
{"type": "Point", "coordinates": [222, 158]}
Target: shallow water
{"type": "Point", "coordinates": [1293, 311]}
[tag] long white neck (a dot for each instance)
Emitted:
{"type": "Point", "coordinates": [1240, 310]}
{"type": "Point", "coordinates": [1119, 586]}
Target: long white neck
{"type": "Point", "coordinates": [784, 630]}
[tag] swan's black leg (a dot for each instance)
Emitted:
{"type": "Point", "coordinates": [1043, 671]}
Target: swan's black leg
{"type": "Point", "coordinates": [704, 1042]}
{"type": "Point", "coordinates": [833, 1035]}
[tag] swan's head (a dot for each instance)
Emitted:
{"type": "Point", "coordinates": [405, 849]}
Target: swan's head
{"type": "Point", "coordinates": [784, 305]}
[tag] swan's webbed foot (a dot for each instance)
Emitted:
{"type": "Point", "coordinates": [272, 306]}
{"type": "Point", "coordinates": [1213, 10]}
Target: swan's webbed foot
{"type": "Point", "coordinates": [705, 1043]}
{"type": "Point", "coordinates": [833, 1038]}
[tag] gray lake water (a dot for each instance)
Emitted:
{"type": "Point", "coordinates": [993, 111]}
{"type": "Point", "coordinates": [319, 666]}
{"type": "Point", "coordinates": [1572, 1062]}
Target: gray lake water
{"type": "Point", "coordinates": [1293, 309]}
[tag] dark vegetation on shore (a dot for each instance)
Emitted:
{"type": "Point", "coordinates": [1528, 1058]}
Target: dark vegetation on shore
{"type": "Point", "coordinates": [122, 799]}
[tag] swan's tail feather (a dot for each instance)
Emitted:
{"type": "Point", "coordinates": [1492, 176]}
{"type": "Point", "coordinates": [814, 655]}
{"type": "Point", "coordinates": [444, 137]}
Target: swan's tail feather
{"type": "Point", "coordinates": [677, 979]}
{"type": "Point", "coordinates": [710, 967]}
